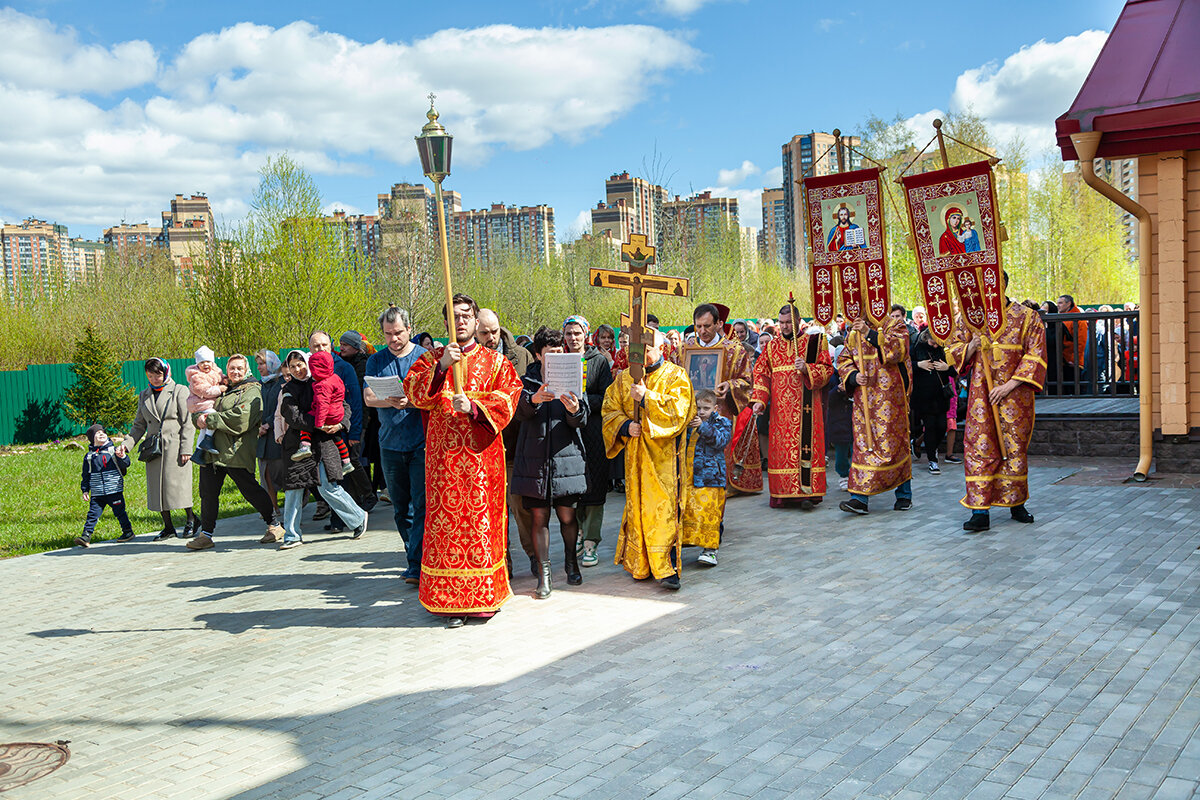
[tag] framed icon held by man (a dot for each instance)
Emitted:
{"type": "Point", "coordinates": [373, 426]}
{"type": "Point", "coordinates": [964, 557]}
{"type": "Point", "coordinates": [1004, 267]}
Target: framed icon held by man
{"type": "Point", "coordinates": [704, 366]}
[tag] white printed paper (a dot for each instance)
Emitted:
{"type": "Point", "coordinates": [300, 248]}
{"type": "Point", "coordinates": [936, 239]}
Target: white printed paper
{"type": "Point", "coordinates": [563, 373]}
{"type": "Point", "coordinates": [388, 386]}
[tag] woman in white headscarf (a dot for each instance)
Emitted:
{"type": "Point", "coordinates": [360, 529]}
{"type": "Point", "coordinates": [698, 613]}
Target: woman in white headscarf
{"type": "Point", "coordinates": [323, 468]}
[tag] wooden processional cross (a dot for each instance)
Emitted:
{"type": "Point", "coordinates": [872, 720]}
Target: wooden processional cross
{"type": "Point", "coordinates": [639, 283]}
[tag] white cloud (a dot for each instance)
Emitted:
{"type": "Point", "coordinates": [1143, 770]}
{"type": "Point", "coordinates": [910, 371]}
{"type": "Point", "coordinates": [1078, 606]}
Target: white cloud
{"type": "Point", "coordinates": [338, 205]}
{"type": "Point", "coordinates": [773, 177]}
{"type": "Point", "coordinates": [736, 176]}
{"type": "Point", "coordinates": [826, 24]}
{"type": "Point", "coordinates": [227, 99]}
{"type": "Point", "coordinates": [581, 224]}
{"type": "Point", "coordinates": [749, 203]}
{"type": "Point", "coordinates": [681, 8]}
{"type": "Point", "coordinates": [1023, 95]}
{"type": "Point", "coordinates": [36, 54]}
{"type": "Point", "coordinates": [921, 125]}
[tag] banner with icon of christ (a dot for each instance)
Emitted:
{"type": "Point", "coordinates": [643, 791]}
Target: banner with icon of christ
{"type": "Point", "coordinates": [845, 221]}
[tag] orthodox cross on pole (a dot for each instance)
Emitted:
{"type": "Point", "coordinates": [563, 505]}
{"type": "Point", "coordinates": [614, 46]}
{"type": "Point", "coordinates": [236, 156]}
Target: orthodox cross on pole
{"type": "Point", "coordinates": [639, 283]}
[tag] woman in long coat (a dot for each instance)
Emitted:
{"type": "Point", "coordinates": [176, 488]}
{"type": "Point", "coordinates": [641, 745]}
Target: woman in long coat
{"type": "Point", "coordinates": [162, 410]}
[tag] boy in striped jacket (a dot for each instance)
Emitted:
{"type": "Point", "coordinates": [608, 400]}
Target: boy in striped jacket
{"type": "Point", "coordinates": [103, 484]}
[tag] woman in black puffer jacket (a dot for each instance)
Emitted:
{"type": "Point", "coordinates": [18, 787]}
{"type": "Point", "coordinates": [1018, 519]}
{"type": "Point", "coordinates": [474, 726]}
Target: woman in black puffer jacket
{"type": "Point", "coordinates": [323, 468]}
{"type": "Point", "coordinates": [549, 468]}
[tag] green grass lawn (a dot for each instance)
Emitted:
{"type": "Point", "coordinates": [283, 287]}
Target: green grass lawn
{"type": "Point", "coordinates": [41, 507]}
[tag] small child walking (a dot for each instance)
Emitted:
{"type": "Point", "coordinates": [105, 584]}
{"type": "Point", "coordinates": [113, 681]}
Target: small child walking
{"type": "Point", "coordinates": [703, 495]}
{"type": "Point", "coordinates": [103, 484]}
{"type": "Point", "coordinates": [207, 383]}
{"type": "Point", "coordinates": [328, 394]}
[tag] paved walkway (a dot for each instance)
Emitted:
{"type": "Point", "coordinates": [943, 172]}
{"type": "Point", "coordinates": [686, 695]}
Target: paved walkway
{"type": "Point", "coordinates": [827, 656]}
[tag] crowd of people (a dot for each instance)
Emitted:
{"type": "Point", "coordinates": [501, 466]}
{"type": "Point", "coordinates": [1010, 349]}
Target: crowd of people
{"type": "Point", "coordinates": [460, 437]}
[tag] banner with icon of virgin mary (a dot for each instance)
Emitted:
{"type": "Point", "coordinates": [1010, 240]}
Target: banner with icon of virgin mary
{"type": "Point", "coordinates": [955, 224]}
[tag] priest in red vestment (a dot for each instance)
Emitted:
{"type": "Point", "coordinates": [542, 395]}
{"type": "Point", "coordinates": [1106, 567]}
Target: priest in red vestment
{"type": "Point", "coordinates": [789, 375]}
{"type": "Point", "coordinates": [1018, 361]}
{"type": "Point", "coordinates": [463, 568]}
{"type": "Point", "coordinates": [733, 384]}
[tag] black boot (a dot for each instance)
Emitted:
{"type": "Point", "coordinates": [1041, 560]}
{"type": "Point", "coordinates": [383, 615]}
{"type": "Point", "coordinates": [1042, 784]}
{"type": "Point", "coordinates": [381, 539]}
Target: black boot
{"type": "Point", "coordinates": [574, 578]}
{"type": "Point", "coordinates": [978, 523]}
{"type": "Point", "coordinates": [534, 566]}
{"type": "Point", "coordinates": [1021, 514]}
{"type": "Point", "coordinates": [543, 588]}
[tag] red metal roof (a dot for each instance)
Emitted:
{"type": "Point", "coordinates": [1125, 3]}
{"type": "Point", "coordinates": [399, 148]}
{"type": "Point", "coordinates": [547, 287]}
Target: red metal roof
{"type": "Point", "coordinates": [1144, 90]}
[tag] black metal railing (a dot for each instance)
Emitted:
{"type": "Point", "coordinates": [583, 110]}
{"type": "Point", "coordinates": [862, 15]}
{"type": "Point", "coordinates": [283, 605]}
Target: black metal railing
{"type": "Point", "coordinates": [1093, 354]}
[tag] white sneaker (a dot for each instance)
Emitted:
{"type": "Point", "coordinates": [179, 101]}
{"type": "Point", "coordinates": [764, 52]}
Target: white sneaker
{"type": "Point", "coordinates": [302, 452]}
{"type": "Point", "coordinates": [708, 558]}
{"type": "Point", "coordinates": [934, 468]}
{"type": "Point", "coordinates": [844, 484]}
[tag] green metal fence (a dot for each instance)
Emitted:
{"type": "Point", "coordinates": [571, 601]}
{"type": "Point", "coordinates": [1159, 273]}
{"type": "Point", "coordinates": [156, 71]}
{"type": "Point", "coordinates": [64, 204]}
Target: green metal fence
{"type": "Point", "coordinates": [31, 398]}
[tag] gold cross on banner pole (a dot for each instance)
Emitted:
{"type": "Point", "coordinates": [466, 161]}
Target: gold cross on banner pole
{"type": "Point", "coordinates": [639, 283]}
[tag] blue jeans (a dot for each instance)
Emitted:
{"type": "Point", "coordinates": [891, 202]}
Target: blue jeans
{"type": "Point", "coordinates": [404, 473]}
{"type": "Point", "coordinates": [841, 459]}
{"type": "Point", "coordinates": [337, 498]}
{"type": "Point", "coordinates": [903, 492]}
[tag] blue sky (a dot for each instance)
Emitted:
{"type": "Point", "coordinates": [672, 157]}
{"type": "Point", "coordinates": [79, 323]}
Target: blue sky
{"type": "Point", "coordinates": [111, 108]}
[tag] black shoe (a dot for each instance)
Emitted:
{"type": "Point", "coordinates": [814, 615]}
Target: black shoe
{"type": "Point", "coordinates": [806, 505]}
{"type": "Point", "coordinates": [126, 536]}
{"type": "Point", "coordinates": [978, 523]}
{"type": "Point", "coordinates": [82, 542]}
{"type": "Point", "coordinates": [853, 505]}
{"type": "Point", "coordinates": [359, 531]}
{"type": "Point", "coordinates": [189, 529]}
{"type": "Point", "coordinates": [670, 582]}
{"type": "Point", "coordinates": [329, 526]}
{"type": "Point", "coordinates": [455, 622]}
{"type": "Point", "coordinates": [322, 511]}
{"type": "Point", "coordinates": [952, 459]}
{"type": "Point", "coordinates": [535, 566]}
{"type": "Point", "coordinates": [165, 533]}
{"type": "Point", "coordinates": [543, 588]}
{"type": "Point", "coordinates": [903, 504]}
{"type": "Point", "coordinates": [1021, 514]}
{"type": "Point", "coordinates": [574, 578]}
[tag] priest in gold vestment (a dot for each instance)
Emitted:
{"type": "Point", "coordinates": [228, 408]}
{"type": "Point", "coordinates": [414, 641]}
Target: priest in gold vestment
{"type": "Point", "coordinates": [645, 420]}
{"type": "Point", "coordinates": [876, 370]}
{"type": "Point", "coordinates": [1017, 358]}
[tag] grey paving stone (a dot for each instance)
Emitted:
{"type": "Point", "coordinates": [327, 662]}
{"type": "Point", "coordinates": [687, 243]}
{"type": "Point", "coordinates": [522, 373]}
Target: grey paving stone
{"type": "Point", "coordinates": [888, 656]}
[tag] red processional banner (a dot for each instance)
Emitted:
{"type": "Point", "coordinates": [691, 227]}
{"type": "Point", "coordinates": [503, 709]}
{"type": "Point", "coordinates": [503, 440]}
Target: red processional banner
{"type": "Point", "coordinates": [844, 214]}
{"type": "Point", "coordinates": [954, 222]}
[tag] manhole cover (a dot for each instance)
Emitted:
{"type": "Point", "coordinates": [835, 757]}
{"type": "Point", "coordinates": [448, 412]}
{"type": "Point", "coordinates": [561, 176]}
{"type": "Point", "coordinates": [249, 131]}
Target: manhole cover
{"type": "Point", "coordinates": [23, 762]}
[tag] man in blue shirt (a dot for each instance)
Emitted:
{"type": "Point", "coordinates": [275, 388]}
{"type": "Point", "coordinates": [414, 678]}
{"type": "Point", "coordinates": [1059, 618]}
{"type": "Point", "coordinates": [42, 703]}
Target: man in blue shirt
{"type": "Point", "coordinates": [401, 436]}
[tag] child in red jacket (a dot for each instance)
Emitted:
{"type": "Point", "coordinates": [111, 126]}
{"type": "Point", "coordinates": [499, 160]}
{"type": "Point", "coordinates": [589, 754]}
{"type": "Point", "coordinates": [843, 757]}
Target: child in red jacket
{"type": "Point", "coordinates": [328, 394]}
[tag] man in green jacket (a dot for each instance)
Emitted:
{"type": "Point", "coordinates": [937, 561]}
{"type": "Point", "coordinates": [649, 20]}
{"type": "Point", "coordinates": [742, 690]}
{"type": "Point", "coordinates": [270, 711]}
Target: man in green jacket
{"type": "Point", "coordinates": [234, 422]}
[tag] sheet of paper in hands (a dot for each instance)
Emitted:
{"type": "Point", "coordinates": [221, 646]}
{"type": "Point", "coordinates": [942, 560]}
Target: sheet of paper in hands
{"type": "Point", "coordinates": [385, 387]}
{"type": "Point", "coordinates": [563, 372]}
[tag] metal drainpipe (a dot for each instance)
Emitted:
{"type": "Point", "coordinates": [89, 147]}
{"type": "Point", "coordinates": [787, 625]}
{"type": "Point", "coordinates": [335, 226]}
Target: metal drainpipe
{"type": "Point", "coordinates": [1086, 144]}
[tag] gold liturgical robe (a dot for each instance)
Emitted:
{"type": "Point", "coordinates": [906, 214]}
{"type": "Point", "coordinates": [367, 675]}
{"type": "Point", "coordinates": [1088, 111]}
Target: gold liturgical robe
{"type": "Point", "coordinates": [650, 526]}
